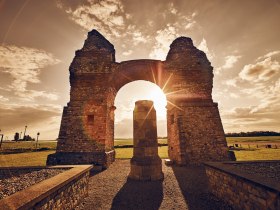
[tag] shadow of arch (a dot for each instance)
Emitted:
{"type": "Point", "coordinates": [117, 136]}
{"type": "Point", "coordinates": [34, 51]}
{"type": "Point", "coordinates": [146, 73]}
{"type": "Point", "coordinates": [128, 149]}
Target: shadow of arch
{"type": "Point", "coordinates": [139, 195]}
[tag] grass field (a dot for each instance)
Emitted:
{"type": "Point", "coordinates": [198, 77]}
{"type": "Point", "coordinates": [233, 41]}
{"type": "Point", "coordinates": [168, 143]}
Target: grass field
{"type": "Point", "coordinates": [25, 159]}
{"type": "Point", "coordinates": [39, 158]}
{"type": "Point", "coordinates": [257, 139]}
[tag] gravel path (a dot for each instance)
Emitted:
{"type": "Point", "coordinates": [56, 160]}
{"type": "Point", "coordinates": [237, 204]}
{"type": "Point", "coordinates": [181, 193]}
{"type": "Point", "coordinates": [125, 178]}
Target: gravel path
{"type": "Point", "coordinates": [15, 180]}
{"type": "Point", "coordinates": [264, 169]}
{"type": "Point", "coordinates": [182, 188]}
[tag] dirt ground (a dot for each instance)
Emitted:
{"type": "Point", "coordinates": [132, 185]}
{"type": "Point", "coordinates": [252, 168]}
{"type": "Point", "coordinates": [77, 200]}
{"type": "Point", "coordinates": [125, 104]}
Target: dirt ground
{"type": "Point", "coordinates": [182, 188]}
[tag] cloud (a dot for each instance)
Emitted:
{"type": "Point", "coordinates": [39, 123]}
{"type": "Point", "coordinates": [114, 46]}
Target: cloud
{"type": "Point", "coordinates": [124, 128]}
{"type": "Point", "coordinates": [24, 66]}
{"type": "Point", "coordinates": [261, 71]}
{"type": "Point", "coordinates": [251, 118]}
{"type": "Point", "coordinates": [203, 46]}
{"type": "Point", "coordinates": [269, 55]}
{"type": "Point", "coordinates": [230, 60]}
{"type": "Point", "coordinates": [132, 33]}
{"type": "Point", "coordinates": [166, 35]}
{"type": "Point", "coordinates": [234, 95]}
{"type": "Point", "coordinates": [231, 82]}
{"type": "Point", "coordinates": [163, 39]}
{"type": "Point", "coordinates": [259, 83]}
{"type": "Point", "coordinates": [3, 99]}
{"type": "Point", "coordinates": [37, 117]}
{"type": "Point", "coordinates": [106, 16]}
{"type": "Point", "coordinates": [126, 53]}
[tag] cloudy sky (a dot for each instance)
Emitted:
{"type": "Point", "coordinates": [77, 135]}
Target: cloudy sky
{"type": "Point", "coordinates": [38, 39]}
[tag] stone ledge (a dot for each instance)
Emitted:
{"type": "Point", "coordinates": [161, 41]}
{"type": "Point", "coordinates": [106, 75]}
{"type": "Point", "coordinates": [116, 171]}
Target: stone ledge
{"type": "Point", "coordinates": [258, 180]}
{"type": "Point", "coordinates": [29, 197]}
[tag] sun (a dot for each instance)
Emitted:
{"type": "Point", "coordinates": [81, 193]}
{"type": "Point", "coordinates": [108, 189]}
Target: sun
{"type": "Point", "coordinates": [159, 99]}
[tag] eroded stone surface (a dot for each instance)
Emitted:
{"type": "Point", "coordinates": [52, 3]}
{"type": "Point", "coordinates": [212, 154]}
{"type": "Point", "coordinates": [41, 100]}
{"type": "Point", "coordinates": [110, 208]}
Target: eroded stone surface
{"type": "Point", "coordinates": [195, 131]}
{"type": "Point", "coordinates": [145, 163]}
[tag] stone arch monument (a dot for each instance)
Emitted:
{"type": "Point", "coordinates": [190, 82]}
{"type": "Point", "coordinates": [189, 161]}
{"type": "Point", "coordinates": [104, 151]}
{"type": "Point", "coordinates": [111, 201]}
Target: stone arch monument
{"type": "Point", "coordinates": [195, 131]}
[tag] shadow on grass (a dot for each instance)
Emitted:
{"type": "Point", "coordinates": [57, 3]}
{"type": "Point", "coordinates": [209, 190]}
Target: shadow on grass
{"type": "Point", "coordinates": [193, 183]}
{"type": "Point", "coordinates": [139, 195]}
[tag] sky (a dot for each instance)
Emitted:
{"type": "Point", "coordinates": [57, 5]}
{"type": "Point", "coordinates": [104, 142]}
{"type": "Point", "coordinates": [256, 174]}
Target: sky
{"type": "Point", "coordinates": [38, 40]}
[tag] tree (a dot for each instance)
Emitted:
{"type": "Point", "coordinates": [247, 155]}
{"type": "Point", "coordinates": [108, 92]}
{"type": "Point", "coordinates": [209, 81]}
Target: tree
{"type": "Point", "coordinates": [16, 137]}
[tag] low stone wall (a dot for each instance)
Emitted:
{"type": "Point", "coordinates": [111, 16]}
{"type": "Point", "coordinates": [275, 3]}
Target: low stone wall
{"type": "Point", "coordinates": [240, 189]}
{"type": "Point", "coordinates": [63, 191]}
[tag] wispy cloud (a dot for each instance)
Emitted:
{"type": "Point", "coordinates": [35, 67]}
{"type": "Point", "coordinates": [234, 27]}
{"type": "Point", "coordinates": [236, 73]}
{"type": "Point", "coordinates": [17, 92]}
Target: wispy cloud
{"type": "Point", "coordinates": [259, 82]}
{"type": "Point", "coordinates": [229, 62]}
{"type": "Point", "coordinates": [37, 117]}
{"type": "Point", "coordinates": [3, 99]}
{"type": "Point", "coordinates": [107, 16]}
{"type": "Point", "coordinates": [24, 66]}
{"type": "Point", "coordinates": [163, 39]}
{"type": "Point", "coordinates": [269, 55]}
{"type": "Point", "coordinates": [173, 30]}
{"type": "Point", "coordinates": [260, 71]}
{"type": "Point", "coordinates": [204, 47]}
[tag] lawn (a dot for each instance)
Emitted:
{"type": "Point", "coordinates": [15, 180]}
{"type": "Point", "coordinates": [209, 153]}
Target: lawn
{"type": "Point", "coordinates": [257, 139]}
{"type": "Point", "coordinates": [25, 159]}
{"type": "Point", "coordinates": [12, 145]}
{"type": "Point", "coordinates": [123, 153]}
{"type": "Point", "coordinates": [39, 158]}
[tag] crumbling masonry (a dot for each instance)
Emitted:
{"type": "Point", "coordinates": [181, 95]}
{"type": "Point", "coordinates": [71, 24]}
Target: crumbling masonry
{"type": "Point", "coordinates": [195, 131]}
{"type": "Point", "coordinates": [145, 165]}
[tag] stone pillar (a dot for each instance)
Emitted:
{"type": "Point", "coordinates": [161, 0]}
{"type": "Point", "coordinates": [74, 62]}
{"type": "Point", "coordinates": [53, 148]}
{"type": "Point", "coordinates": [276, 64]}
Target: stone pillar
{"type": "Point", "coordinates": [145, 163]}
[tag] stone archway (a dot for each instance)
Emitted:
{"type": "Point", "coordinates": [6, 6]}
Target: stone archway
{"type": "Point", "coordinates": [195, 131]}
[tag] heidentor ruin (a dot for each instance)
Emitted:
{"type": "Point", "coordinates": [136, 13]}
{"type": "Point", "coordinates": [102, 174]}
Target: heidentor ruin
{"type": "Point", "coordinates": [195, 130]}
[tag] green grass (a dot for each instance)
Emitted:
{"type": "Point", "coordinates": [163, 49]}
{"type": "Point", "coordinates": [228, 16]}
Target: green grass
{"type": "Point", "coordinates": [258, 154]}
{"type": "Point", "coordinates": [12, 145]}
{"type": "Point", "coordinates": [123, 153]}
{"type": "Point", "coordinates": [25, 159]}
{"type": "Point", "coordinates": [121, 142]}
{"type": "Point", "coordinates": [39, 158]}
{"type": "Point", "coordinates": [231, 140]}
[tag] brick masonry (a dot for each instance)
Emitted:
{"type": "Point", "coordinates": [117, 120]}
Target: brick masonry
{"type": "Point", "coordinates": [195, 131]}
{"type": "Point", "coordinates": [145, 164]}
{"type": "Point", "coordinates": [241, 190]}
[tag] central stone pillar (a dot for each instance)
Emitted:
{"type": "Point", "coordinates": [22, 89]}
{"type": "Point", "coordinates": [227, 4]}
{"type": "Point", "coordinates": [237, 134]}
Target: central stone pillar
{"type": "Point", "coordinates": [145, 163]}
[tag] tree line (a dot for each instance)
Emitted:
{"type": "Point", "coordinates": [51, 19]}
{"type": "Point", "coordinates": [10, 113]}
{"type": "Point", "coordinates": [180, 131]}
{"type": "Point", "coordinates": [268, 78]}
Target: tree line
{"type": "Point", "coordinates": [253, 133]}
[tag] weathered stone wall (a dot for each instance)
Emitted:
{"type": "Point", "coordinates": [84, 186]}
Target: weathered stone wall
{"type": "Point", "coordinates": [195, 132]}
{"type": "Point", "coordinates": [199, 128]}
{"type": "Point", "coordinates": [240, 192]}
{"type": "Point", "coordinates": [86, 133]}
{"type": "Point", "coordinates": [63, 191]}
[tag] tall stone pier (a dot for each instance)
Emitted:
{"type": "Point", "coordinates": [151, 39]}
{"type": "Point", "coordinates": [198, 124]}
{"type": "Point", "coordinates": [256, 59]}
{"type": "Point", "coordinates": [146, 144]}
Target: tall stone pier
{"type": "Point", "coordinates": [145, 164]}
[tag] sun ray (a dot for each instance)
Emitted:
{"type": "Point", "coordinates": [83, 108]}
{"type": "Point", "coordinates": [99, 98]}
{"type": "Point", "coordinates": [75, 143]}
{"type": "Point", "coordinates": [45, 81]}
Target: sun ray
{"type": "Point", "coordinates": [174, 92]}
{"type": "Point", "coordinates": [175, 105]}
{"type": "Point", "coordinates": [154, 78]}
{"type": "Point", "coordinates": [167, 81]}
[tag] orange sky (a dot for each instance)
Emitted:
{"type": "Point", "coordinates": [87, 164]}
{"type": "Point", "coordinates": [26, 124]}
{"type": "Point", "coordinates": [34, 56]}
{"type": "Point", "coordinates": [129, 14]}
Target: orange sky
{"type": "Point", "coordinates": [38, 39]}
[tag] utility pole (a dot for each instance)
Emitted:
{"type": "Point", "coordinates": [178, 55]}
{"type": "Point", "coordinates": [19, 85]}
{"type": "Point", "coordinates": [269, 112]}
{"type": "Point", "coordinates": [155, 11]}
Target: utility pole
{"type": "Point", "coordinates": [24, 132]}
{"type": "Point", "coordinates": [2, 136]}
{"type": "Point", "coordinates": [38, 134]}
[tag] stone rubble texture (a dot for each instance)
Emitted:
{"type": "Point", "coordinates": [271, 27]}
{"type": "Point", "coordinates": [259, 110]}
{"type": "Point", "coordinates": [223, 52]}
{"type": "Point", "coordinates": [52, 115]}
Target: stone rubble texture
{"type": "Point", "coordinates": [145, 164]}
{"type": "Point", "coordinates": [195, 131]}
{"type": "Point", "coordinates": [242, 193]}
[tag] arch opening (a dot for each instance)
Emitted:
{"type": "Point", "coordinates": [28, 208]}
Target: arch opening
{"type": "Point", "coordinates": [125, 103]}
